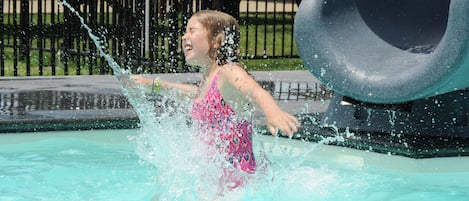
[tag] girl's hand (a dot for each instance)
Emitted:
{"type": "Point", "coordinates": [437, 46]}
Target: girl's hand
{"type": "Point", "coordinates": [138, 79]}
{"type": "Point", "coordinates": [283, 121]}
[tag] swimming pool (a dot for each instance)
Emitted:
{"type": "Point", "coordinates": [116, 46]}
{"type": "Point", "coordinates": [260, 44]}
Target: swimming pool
{"type": "Point", "coordinates": [104, 165]}
{"type": "Point", "coordinates": [159, 159]}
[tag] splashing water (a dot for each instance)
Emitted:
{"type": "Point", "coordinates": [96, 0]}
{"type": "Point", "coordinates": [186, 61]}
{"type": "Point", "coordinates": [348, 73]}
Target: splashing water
{"type": "Point", "coordinates": [167, 142]}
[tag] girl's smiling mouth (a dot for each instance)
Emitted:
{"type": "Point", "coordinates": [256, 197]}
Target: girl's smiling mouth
{"type": "Point", "coordinates": [187, 47]}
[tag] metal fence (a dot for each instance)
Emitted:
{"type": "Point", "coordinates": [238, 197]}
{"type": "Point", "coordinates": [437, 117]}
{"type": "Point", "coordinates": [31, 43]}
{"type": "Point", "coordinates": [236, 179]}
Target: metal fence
{"type": "Point", "coordinates": [41, 37]}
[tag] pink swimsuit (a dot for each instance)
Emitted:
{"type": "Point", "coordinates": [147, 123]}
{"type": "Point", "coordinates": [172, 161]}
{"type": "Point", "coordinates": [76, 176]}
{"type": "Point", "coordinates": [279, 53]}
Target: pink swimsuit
{"type": "Point", "coordinates": [230, 136]}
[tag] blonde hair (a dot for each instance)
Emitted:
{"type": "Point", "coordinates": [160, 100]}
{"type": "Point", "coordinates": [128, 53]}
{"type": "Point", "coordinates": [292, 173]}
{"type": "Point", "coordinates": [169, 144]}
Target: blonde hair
{"type": "Point", "coordinates": [223, 34]}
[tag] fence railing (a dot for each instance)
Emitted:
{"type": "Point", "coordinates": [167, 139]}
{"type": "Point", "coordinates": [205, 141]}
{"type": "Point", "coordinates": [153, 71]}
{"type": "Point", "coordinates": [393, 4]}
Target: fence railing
{"type": "Point", "coordinates": [41, 37]}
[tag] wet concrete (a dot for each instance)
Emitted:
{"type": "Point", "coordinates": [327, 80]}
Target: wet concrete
{"type": "Point", "coordinates": [92, 102]}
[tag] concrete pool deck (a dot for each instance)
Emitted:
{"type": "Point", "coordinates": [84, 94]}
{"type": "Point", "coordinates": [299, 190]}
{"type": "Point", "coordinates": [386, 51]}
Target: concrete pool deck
{"type": "Point", "coordinates": [29, 104]}
{"type": "Point", "coordinates": [97, 101]}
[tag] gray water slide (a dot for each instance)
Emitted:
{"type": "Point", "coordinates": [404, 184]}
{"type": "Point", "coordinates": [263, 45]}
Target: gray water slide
{"type": "Point", "coordinates": [386, 51]}
{"type": "Point", "coordinates": [399, 70]}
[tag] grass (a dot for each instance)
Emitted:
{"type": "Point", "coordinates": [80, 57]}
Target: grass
{"type": "Point", "coordinates": [74, 67]}
{"type": "Point", "coordinates": [81, 65]}
{"type": "Point", "coordinates": [274, 64]}
{"type": "Point", "coordinates": [263, 46]}
{"type": "Point", "coordinates": [252, 65]}
{"type": "Point", "coordinates": [272, 35]}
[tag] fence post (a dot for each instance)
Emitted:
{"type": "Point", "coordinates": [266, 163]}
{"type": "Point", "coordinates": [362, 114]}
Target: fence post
{"type": "Point", "coordinates": [25, 35]}
{"type": "Point", "coordinates": [54, 38]}
{"type": "Point", "coordinates": [103, 14]}
{"type": "Point", "coordinates": [231, 7]}
{"type": "Point", "coordinates": [66, 44]}
{"type": "Point", "coordinates": [173, 34]}
{"type": "Point", "coordinates": [2, 50]}
{"type": "Point", "coordinates": [93, 23]}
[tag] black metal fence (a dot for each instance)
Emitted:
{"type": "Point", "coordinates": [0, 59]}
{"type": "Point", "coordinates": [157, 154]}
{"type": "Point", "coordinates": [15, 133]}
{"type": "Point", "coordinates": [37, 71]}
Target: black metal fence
{"type": "Point", "coordinates": [41, 37]}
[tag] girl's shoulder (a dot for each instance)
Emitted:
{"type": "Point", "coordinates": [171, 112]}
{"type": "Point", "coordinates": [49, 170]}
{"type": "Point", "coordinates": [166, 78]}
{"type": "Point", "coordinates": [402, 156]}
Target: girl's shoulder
{"type": "Point", "coordinates": [233, 70]}
{"type": "Point", "coordinates": [234, 75]}
{"type": "Point", "coordinates": [233, 65]}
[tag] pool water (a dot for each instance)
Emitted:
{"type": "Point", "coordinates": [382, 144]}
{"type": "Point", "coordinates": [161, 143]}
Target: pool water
{"type": "Point", "coordinates": [71, 166]}
{"type": "Point", "coordinates": [105, 165]}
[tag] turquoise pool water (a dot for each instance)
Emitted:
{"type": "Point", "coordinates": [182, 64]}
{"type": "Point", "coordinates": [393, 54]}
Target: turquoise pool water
{"type": "Point", "coordinates": [71, 166]}
{"type": "Point", "coordinates": [104, 165]}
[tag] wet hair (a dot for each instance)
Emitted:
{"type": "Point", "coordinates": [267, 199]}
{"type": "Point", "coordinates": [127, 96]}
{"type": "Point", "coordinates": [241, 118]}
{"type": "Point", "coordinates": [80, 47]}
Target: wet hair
{"type": "Point", "coordinates": [223, 30]}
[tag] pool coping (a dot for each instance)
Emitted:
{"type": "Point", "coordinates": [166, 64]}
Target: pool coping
{"type": "Point", "coordinates": [82, 119]}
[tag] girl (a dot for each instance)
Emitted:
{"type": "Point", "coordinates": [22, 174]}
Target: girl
{"type": "Point", "coordinates": [220, 110]}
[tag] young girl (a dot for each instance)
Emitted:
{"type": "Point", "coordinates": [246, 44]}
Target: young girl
{"type": "Point", "coordinates": [221, 107]}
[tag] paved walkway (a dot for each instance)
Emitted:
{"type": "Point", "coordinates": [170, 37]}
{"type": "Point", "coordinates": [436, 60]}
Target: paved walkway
{"type": "Point", "coordinates": [24, 102]}
{"type": "Point", "coordinates": [109, 83]}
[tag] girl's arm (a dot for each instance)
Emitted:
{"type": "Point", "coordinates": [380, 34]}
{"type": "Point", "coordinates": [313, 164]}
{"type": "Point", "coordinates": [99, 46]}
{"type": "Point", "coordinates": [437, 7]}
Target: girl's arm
{"type": "Point", "coordinates": [187, 89]}
{"type": "Point", "coordinates": [239, 79]}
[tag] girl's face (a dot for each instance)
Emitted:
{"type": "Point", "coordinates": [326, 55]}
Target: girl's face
{"type": "Point", "coordinates": [195, 44]}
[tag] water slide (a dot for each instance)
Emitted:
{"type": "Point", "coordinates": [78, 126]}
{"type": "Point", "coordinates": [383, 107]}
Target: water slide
{"type": "Point", "coordinates": [396, 66]}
